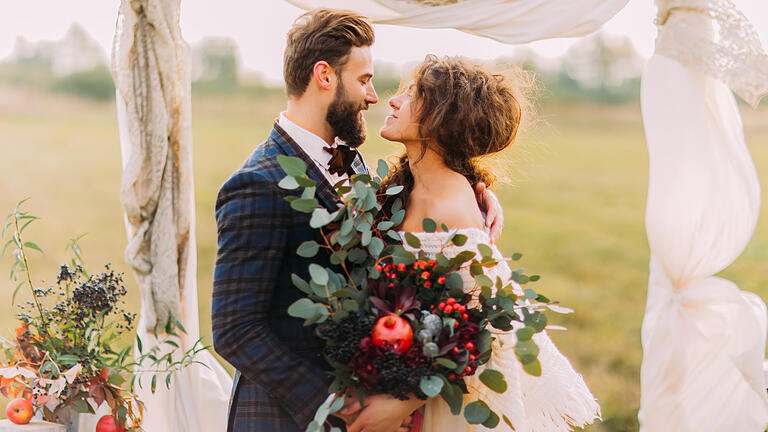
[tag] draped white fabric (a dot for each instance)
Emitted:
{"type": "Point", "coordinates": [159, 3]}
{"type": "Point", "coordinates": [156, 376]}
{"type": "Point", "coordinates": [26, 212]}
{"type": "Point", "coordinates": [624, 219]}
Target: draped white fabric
{"type": "Point", "coordinates": [150, 67]}
{"type": "Point", "coordinates": [703, 338]}
{"type": "Point", "coordinates": [518, 21]}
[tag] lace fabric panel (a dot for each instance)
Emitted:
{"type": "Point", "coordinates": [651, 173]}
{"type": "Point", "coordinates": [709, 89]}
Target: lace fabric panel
{"type": "Point", "coordinates": [714, 37]}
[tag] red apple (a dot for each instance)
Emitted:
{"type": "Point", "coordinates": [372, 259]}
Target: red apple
{"type": "Point", "coordinates": [108, 424]}
{"type": "Point", "coordinates": [393, 331]}
{"type": "Point", "coordinates": [19, 411]}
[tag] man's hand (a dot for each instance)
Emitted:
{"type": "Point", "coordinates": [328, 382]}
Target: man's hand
{"type": "Point", "coordinates": [385, 413]}
{"type": "Point", "coordinates": [494, 214]}
{"type": "Point", "coordinates": [351, 408]}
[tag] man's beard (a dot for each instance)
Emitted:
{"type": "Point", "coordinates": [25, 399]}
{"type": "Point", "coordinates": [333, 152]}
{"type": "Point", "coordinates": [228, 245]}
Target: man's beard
{"type": "Point", "coordinates": [344, 117]}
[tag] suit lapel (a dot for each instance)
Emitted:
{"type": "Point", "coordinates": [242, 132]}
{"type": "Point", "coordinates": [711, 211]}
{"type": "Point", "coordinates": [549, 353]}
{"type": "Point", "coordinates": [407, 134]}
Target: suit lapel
{"type": "Point", "coordinates": [324, 191]}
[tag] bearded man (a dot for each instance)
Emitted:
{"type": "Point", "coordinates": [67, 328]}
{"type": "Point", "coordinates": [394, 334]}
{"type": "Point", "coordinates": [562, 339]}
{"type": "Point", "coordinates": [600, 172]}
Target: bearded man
{"type": "Point", "coordinates": [280, 380]}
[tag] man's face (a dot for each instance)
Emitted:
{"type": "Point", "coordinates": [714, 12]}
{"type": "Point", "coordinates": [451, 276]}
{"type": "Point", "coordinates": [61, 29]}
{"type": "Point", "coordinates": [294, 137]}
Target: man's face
{"type": "Point", "coordinates": [354, 93]}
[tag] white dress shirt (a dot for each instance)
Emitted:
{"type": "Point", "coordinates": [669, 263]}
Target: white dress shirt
{"type": "Point", "coordinates": [312, 146]}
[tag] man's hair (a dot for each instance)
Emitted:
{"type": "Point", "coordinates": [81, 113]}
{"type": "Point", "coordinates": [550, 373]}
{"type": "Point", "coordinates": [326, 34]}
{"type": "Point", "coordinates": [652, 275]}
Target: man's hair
{"type": "Point", "coordinates": [321, 34]}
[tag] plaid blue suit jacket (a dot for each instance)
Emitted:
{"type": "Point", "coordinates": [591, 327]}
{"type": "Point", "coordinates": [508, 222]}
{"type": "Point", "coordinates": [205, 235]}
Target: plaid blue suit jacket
{"type": "Point", "coordinates": [280, 379]}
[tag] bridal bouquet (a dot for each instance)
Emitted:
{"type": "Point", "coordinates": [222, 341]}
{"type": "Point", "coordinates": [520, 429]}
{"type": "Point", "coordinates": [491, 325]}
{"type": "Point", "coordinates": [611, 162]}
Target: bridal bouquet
{"type": "Point", "coordinates": [396, 321]}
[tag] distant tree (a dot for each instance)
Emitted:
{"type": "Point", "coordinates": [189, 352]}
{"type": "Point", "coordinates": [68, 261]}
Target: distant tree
{"type": "Point", "coordinates": [215, 65]}
{"type": "Point", "coordinates": [94, 84]}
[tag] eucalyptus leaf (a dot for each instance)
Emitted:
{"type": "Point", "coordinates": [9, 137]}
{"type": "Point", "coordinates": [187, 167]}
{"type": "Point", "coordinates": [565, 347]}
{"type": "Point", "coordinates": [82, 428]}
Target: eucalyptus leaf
{"type": "Point", "coordinates": [412, 240]}
{"type": "Point", "coordinates": [494, 380]}
{"type": "Point", "coordinates": [288, 182]}
{"type": "Point", "coordinates": [485, 250]}
{"type": "Point", "coordinates": [318, 273]}
{"type": "Point", "coordinates": [308, 249]}
{"type": "Point", "coordinates": [382, 169]}
{"type": "Point", "coordinates": [320, 217]}
{"type": "Point", "coordinates": [298, 283]}
{"type": "Point", "coordinates": [304, 205]}
{"type": "Point", "coordinates": [394, 190]}
{"type": "Point", "coordinates": [302, 308]}
{"type": "Point", "coordinates": [476, 412]}
{"type": "Point", "coordinates": [429, 225]}
{"type": "Point", "coordinates": [459, 239]}
{"type": "Point", "coordinates": [492, 421]}
{"type": "Point", "coordinates": [292, 166]}
{"type": "Point", "coordinates": [447, 363]}
{"type": "Point", "coordinates": [431, 386]}
{"type": "Point", "coordinates": [398, 216]}
{"type": "Point", "coordinates": [375, 247]}
{"type": "Point", "coordinates": [533, 368]}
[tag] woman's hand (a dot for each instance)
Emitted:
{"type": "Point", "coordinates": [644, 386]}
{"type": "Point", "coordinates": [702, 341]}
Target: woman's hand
{"type": "Point", "coordinates": [494, 214]}
{"type": "Point", "coordinates": [385, 413]}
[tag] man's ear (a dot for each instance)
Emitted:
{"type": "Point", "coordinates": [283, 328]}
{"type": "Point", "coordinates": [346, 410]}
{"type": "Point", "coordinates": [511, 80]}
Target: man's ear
{"type": "Point", "coordinates": [323, 75]}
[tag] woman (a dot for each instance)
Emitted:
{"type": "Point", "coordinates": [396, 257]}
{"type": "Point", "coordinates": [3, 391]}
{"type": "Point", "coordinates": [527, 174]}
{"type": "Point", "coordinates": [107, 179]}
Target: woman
{"type": "Point", "coordinates": [451, 115]}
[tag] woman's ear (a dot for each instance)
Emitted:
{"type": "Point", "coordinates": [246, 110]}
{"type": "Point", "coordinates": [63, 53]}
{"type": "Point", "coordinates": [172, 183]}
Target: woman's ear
{"type": "Point", "coordinates": [323, 75]}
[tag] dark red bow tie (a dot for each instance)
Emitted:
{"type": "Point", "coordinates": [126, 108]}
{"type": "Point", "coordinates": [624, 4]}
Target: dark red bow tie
{"type": "Point", "coordinates": [342, 157]}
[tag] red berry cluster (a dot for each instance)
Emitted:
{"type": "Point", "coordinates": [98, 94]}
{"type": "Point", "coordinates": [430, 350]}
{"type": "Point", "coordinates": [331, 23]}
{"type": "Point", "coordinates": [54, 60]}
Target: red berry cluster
{"type": "Point", "coordinates": [453, 309]}
{"type": "Point", "coordinates": [423, 273]}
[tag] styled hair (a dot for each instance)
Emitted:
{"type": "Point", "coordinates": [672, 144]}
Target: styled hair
{"type": "Point", "coordinates": [321, 35]}
{"type": "Point", "coordinates": [464, 113]}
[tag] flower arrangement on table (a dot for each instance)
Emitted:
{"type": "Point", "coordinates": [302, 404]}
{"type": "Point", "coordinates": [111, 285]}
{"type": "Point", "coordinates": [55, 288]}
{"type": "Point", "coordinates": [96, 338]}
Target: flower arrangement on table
{"type": "Point", "coordinates": [395, 320]}
{"type": "Point", "coordinates": [70, 353]}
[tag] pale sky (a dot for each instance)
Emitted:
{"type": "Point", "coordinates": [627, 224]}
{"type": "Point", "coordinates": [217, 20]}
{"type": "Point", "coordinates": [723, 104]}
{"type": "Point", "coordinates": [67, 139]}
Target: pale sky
{"type": "Point", "coordinates": [259, 27]}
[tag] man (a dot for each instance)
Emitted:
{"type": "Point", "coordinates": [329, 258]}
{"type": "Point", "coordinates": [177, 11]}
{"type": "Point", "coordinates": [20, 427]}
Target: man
{"type": "Point", "coordinates": [280, 381]}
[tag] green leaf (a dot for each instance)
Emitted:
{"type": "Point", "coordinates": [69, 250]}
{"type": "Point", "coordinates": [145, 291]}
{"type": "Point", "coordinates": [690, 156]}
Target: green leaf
{"type": "Point", "coordinates": [485, 250]}
{"type": "Point", "coordinates": [366, 237]}
{"type": "Point", "coordinates": [303, 308]}
{"type": "Point", "coordinates": [357, 255]}
{"type": "Point", "coordinates": [453, 280]}
{"type": "Point", "coordinates": [412, 240]}
{"type": "Point", "coordinates": [288, 182]}
{"type": "Point", "coordinates": [508, 421]}
{"type": "Point", "coordinates": [16, 291]}
{"type": "Point", "coordinates": [320, 217]}
{"type": "Point", "coordinates": [350, 305]}
{"type": "Point", "coordinates": [304, 205]}
{"type": "Point", "coordinates": [459, 239]}
{"type": "Point", "coordinates": [453, 396]}
{"type": "Point", "coordinates": [431, 386]}
{"type": "Point", "coordinates": [447, 363]}
{"type": "Point", "coordinates": [537, 320]}
{"type": "Point", "coordinates": [462, 257]}
{"type": "Point", "coordinates": [385, 225]}
{"type": "Point", "coordinates": [308, 249]}
{"type": "Point", "coordinates": [292, 166]}
{"type": "Point", "coordinates": [534, 278]}
{"type": "Point", "coordinates": [492, 421]}
{"type": "Point", "coordinates": [168, 381]}
{"type": "Point", "coordinates": [338, 257]}
{"type": "Point", "coordinates": [429, 225]}
{"type": "Point", "coordinates": [382, 169]}
{"type": "Point", "coordinates": [300, 283]}
{"type": "Point", "coordinates": [397, 217]}
{"type": "Point", "coordinates": [153, 386]}
{"type": "Point", "coordinates": [305, 181]}
{"type": "Point", "coordinates": [394, 235]}
{"type": "Point", "coordinates": [516, 256]}
{"type": "Point", "coordinates": [394, 190]}
{"type": "Point", "coordinates": [375, 247]}
{"type": "Point", "coordinates": [483, 280]}
{"type": "Point", "coordinates": [526, 348]}
{"type": "Point", "coordinates": [533, 368]}
{"type": "Point", "coordinates": [476, 412]}
{"type": "Point", "coordinates": [318, 273]}
{"type": "Point", "coordinates": [525, 334]}
{"type": "Point", "coordinates": [81, 406]}
{"type": "Point", "coordinates": [494, 380]}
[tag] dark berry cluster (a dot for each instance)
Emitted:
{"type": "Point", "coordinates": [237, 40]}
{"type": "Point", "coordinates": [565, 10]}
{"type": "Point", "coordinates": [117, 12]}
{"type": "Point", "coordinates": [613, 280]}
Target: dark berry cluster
{"type": "Point", "coordinates": [343, 338]}
{"type": "Point", "coordinates": [397, 377]}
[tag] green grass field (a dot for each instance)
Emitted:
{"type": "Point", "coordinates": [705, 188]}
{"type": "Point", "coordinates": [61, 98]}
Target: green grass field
{"type": "Point", "coordinates": [574, 208]}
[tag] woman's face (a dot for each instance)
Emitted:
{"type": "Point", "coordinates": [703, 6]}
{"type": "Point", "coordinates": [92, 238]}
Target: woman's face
{"type": "Point", "coordinates": [401, 125]}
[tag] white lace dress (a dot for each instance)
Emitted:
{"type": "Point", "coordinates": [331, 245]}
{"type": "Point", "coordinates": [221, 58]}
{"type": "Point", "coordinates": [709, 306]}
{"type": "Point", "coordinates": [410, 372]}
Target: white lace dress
{"type": "Point", "coordinates": [555, 401]}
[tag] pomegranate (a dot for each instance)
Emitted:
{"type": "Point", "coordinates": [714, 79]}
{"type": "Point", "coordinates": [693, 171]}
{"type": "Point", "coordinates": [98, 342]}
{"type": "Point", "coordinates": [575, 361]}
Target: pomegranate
{"type": "Point", "coordinates": [393, 331]}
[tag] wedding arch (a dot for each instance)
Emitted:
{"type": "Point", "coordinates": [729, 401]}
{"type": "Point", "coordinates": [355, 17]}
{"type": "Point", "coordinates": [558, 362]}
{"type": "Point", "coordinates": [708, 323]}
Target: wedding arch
{"type": "Point", "coordinates": [703, 338]}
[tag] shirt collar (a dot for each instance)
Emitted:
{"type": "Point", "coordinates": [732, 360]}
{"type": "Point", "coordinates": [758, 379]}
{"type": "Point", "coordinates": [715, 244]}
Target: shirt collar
{"type": "Point", "coordinates": [309, 142]}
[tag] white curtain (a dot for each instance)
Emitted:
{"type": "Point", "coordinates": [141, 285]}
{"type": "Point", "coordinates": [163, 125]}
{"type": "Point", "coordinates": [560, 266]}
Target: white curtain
{"type": "Point", "coordinates": [703, 338]}
{"type": "Point", "coordinates": [151, 70]}
{"type": "Point", "coordinates": [518, 21]}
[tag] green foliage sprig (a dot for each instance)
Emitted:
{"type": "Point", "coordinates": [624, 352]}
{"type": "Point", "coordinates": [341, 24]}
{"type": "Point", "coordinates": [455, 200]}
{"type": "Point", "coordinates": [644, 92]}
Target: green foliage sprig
{"type": "Point", "coordinates": [70, 354]}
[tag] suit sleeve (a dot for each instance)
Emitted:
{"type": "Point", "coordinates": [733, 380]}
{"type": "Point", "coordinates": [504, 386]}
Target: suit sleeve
{"type": "Point", "coordinates": [253, 223]}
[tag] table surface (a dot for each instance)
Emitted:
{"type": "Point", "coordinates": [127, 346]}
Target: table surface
{"type": "Point", "coordinates": [33, 426]}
